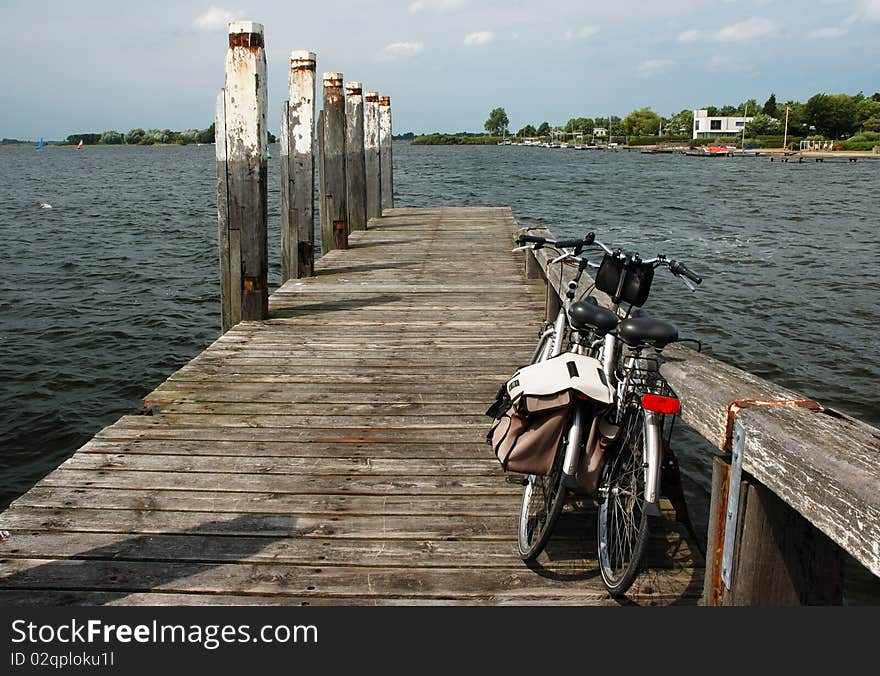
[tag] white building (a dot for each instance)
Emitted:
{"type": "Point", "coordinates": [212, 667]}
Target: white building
{"type": "Point", "coordinates": [600, 131]}
{"type": "Point", "coordinates": [710, 127]}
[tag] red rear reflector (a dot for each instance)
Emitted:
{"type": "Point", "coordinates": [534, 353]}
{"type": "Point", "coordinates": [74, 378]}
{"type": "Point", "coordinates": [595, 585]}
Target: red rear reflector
{"type": "Point", "coordinates": [658, 404]}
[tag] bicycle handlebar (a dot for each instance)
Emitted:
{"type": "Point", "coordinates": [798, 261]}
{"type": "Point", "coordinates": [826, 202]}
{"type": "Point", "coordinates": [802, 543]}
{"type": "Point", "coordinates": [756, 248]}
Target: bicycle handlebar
{"type": "Point", "coordinates": [677, 268]}
{"type": "Point", "coordinates": [680, 269]}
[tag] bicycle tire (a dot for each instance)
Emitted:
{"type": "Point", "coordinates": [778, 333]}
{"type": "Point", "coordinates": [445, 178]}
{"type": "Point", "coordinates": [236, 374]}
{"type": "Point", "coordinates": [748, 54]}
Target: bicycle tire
{"type": "Point", "coordinates": [542, 502]}
{"type": "Point", "coordinates": [549, 507]}
{"type": "Point", "coordinates": [623, 520]}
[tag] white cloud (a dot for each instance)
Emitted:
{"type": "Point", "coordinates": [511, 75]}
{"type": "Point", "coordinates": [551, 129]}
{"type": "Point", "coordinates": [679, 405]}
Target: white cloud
{"type": "Point", "coordinates": [397, 50]}
{"type": "Point", "coordinates": [582, 33]}
{"type": "Point", "coordinates": [827, 33]}
{"type": "Point", "coordinates": [865, 10]}
{"type": "Point", "coordinates": [215, 18]}
{"type": "Point", "coordinates": [436, 6]}
{"type": "Point", "coordinates": [743, 31]}
{"type": "Point", "coordinates": [691, 35]}
{"type": "Point", "coordinates": [653, 66]}
{"type": "Point", "coordinates": [479, 38]}
{"type": "Point", "coordinates": [755, 27]}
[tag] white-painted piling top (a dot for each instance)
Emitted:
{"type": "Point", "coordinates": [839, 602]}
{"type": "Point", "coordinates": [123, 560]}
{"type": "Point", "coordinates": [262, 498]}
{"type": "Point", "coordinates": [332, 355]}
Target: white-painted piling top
{"type": "Point", "coordinates": [384, 100]}
{"type": "Point", "coordinates": [371, 94]}
{"type": "Point", "coordinates": [332, 75]}
{"type": "Point", "coordinates": [245, 27]}
{"type": "Point", "coordinates": [358, 86]}
{"type": "Point", "coordinates": [303, 56]}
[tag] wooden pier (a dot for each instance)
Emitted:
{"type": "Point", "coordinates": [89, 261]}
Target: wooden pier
{"type": "Point", "coordinates": [332, 454]}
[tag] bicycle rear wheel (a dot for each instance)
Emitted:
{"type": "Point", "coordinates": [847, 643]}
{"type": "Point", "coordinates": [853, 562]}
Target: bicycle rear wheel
{"type": "Point", "coordinates": [623, 521]}
{"type": "Point", "coordinates": [542, 502]}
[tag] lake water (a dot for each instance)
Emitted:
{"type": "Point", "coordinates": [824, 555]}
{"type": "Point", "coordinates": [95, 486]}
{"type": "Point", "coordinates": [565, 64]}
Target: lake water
{"type": "Point", "coordinates": [115, 286]}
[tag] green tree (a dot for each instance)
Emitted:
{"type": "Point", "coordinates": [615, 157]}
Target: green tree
{"type": "Point", "coordinates": [832, 114]}
{"type": "Point", "coordinates": [727, 111]}
{"type": "Point", "coordinates": [527, 132]}
{"type": "Point", "coordinates": [681, 124]}
{"type": "Point", "coordinates": [641, 122]}
{"type": "Point", "coordinates": [206, 135]}
{"type": "Point", "coordinates": [134, 136]}
{"type": "Point", "coordinates": [497, 122]}
{"type": "Point", "coordinates": [544, 129]}
{"type": "Point", "coordinates": [88, 139]}
{"type": "Point", "coordinates": [770, 107]}
{"type": "Point", "coordinates": [763, 124]}
{"type": "Point", "coordinates": [872, 124]}
{"type": "Point", "coordinates": [112, 138]}
{"type": "Point", "coordinates": [748, 108]}
{"type": "Point", "coordinates": [866, 109]}
{"type": "Point", "coordinates": [579, 124]}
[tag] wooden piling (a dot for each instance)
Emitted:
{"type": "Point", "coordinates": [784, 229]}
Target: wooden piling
{"type": "Point", "coordinates": [371, 155]}
{"type": "Point", "coordinates": [298, 169]}
{"type": "Point", "coordinates": [355, 161]}
{"type": "Point", "coordinates": [241, 152]}
{"type": "Point", "coordinates": [334, 212]}
{"type": "Point", "coordinates": [385, 159]}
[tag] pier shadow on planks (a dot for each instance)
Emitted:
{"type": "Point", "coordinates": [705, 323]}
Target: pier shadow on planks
{"type": "Point", "coordinates": [333, 454]}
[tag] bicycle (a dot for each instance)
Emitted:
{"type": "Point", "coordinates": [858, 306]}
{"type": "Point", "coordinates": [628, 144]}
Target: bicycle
{"type": "Point", "coordinates": [627, 433]}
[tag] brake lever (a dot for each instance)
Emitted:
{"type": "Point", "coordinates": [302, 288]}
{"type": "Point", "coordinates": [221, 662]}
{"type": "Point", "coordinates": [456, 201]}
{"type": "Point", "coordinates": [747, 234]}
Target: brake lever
{"type": "Point", "coordinates": [524, 247]}
{"type": "Point", "coordinates": [559, 258]}
{"type": "Point", "coordinates": [687, 283]}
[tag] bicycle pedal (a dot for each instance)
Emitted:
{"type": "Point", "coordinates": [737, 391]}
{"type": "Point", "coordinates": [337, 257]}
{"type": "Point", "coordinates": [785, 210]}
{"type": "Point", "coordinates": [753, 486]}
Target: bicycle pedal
{"type": "Point", "coordinates": [517, 480]}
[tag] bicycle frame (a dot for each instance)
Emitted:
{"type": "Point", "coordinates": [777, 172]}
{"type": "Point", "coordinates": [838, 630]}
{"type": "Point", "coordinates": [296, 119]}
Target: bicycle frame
{"type": "Point", "coordinates": [652, 425]}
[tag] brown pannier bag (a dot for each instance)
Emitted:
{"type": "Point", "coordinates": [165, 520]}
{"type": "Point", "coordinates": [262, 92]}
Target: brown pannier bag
{"type": "Point", "coordinates": [526, 436]}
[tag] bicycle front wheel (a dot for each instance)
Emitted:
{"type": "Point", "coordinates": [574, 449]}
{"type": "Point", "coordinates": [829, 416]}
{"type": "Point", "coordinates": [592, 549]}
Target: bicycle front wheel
{"type": "Point", "coordinates": [623, 521]}
{"type": "Point", "coordinates": [542, 502]}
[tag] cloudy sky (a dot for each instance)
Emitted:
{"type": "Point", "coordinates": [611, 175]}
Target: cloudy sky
{"type": "Point", "coordinates": [95, 65]}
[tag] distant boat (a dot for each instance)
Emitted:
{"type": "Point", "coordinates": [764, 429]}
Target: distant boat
{"type": "Point", "coordinates": [40, 147]}
{"type": "Point", "coordinates": [79, 146]}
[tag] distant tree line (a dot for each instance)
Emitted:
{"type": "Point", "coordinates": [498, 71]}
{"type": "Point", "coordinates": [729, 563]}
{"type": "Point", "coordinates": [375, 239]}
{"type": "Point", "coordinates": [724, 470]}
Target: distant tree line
{"type": "Point", "coordinates": [147, 137]}
{"type": "Point", "coordinates": [829, 115]}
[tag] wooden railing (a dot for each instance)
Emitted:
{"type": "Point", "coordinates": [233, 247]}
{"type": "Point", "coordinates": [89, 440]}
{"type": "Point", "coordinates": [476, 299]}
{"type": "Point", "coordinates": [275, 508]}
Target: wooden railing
{"type": "Point", "coordinates": [808, 478]}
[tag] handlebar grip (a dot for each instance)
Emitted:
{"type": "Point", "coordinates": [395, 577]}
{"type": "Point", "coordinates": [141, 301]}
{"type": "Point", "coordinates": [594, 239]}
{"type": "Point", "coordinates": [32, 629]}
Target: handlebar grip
{"type": "Point", "coordinates": [576, 242]}
{"type": "Point", "coordinates": [681, 269]}
{"type": "Point", "coordinates": [525, 239]}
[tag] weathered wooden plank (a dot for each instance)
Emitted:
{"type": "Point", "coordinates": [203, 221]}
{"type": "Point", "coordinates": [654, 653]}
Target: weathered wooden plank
{"type": "Point", "coordinates": [93, 598]}
{"type": "Point", "coordinates": [267, 503]}
{"type": "Point", "coordinates": [439, 449]}
{"type": "Point", "coordinates": [316, 551]}
{"type": "Point", "coordinates": [306, 581]}
{"type": "Point", "coordinates": [443, 410]}
{"type": "Point", "coordinates": [304, 484]}
{"type": "Point", "coordinates": [486, 466]}
{"type": "Point", "coordinates": [265, 525]}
